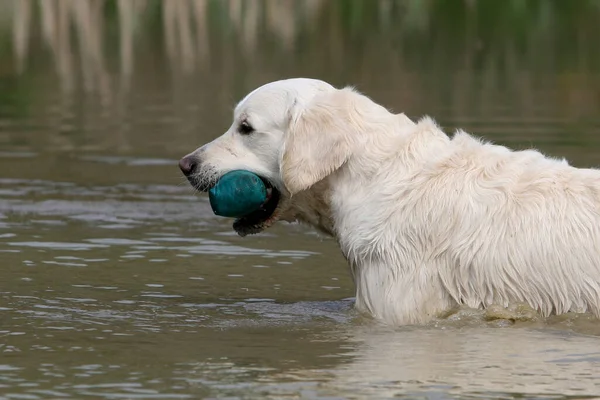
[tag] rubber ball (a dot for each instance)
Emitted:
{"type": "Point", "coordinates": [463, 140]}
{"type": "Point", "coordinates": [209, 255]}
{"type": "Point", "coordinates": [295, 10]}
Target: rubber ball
{"type": "Point", "coordinates": [237, 194]}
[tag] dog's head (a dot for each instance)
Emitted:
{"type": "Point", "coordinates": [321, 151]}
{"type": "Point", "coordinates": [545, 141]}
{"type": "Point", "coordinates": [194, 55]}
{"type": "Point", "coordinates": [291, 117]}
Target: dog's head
{"type": "Point", "coordinates": [292, 133]}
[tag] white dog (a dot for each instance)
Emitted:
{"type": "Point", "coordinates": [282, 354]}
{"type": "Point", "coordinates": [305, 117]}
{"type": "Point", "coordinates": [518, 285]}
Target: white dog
{"type": "Point", "coordinates": [426, 221]}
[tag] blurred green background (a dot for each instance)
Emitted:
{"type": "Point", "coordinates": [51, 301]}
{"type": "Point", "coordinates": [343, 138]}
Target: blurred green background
{"type": "Point", "coordinates": [458, 60]}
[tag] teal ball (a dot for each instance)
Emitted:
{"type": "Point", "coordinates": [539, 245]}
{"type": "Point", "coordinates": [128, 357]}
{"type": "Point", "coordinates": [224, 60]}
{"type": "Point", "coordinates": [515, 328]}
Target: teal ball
{"type": "Point", "coordinates": [237, 194]}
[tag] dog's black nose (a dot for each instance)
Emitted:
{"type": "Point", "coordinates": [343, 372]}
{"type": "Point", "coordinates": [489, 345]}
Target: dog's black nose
{"type": "Point", "coordinates": [188, 165]}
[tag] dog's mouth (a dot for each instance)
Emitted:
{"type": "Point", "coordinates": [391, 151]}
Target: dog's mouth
{"type": "Point", "coordinates": [256, 221]}
{"type": "Point", "coordinates": [262, 218]}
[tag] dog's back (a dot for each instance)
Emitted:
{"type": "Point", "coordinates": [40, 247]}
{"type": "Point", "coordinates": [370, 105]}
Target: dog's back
{"type": "Point", "coordinates": [485, 224]}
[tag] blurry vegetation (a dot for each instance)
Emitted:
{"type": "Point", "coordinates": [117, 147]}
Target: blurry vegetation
{"type": "Point", "coordinates": [452, 26]}
{"type": "Point", "coordinates": [451, 46]}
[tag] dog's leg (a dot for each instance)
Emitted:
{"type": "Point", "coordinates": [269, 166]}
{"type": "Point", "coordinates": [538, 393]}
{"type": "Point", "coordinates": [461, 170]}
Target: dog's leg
{"type": "Point", "coordinates": [400, 297]}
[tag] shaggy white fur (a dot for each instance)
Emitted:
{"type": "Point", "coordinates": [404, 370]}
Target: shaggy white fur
{"type": "Point", "coordinates": [426, 221]}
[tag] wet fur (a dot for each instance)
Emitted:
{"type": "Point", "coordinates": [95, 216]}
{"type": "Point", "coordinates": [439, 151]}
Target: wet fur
{"type": "Point", "coordinates": [426, 221]}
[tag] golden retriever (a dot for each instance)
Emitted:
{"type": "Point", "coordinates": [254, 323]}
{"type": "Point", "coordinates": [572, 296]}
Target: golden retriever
{"type": "Point", "coordinates": [426, 221]}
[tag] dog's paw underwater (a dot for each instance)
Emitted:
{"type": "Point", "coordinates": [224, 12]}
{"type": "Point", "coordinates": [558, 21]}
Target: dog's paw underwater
{"type": "Point", "coordinates": [238, 193]}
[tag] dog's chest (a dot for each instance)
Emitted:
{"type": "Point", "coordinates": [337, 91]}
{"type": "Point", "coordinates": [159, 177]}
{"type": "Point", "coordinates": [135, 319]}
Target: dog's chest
{"type": "Point", "coordinates": [370, 222]}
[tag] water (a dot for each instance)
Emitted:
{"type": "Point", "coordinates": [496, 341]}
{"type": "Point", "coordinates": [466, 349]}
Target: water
{"type": "Point", "coordinates": [118, 282]}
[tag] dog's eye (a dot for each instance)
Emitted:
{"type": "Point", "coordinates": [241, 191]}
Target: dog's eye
{"type": "Point", "coordinates": [245, 128]}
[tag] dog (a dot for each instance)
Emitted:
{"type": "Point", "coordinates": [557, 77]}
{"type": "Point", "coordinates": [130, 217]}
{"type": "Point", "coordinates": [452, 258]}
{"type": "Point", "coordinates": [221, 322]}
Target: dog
{"type": "Point", "coordinates": [426, 221]}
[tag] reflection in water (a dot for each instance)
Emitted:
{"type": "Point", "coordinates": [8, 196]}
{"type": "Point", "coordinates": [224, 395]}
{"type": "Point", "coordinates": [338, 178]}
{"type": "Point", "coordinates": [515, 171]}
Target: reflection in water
{"type": "Point", "coordinates": [498, 70]}
{"type": "Point", "coordinates": [185, 25]}
{"type": "Point", "coordinates": [119, 282]}
{"type": "Point", "coordinates": [472, 47]}
{"type": "Point", "coordinates": [480, 362]}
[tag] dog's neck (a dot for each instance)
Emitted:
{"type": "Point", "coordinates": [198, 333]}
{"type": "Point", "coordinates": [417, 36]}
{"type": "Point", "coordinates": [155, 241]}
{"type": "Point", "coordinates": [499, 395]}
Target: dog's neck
{"type": "Point", "coordinates": [312, 207]}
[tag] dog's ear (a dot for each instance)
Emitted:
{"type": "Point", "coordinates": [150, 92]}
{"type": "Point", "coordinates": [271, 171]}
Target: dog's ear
{"type": "Point", "coordinates": [321, 137]}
